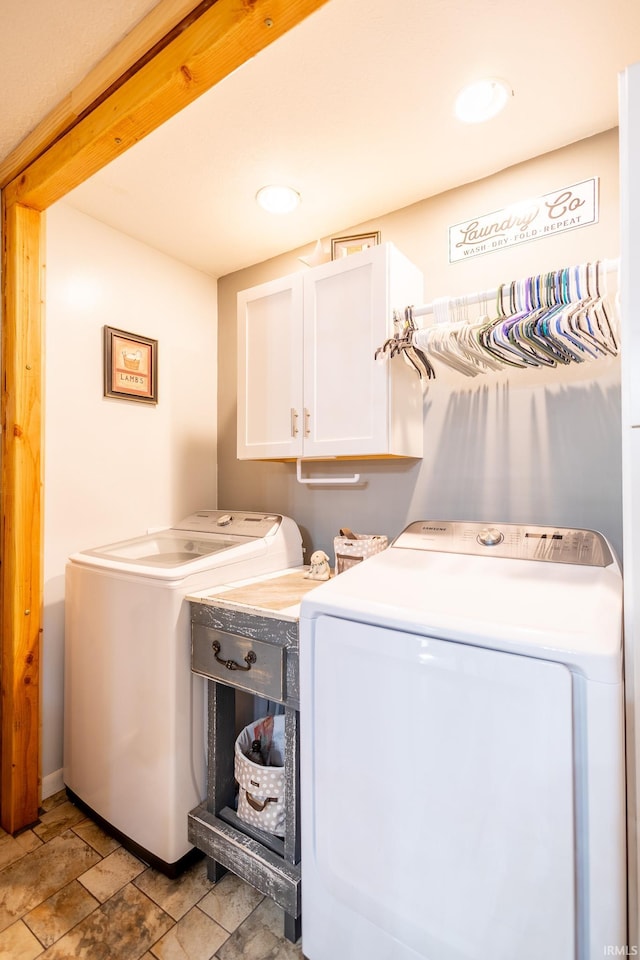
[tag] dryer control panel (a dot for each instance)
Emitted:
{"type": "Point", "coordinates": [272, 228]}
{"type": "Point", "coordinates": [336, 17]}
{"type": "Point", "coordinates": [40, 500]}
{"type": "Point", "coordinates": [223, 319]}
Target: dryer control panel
{"type": "Point", "coordinates": [510, 540]}
{"type": "Point", "coordinates": [231, 523]}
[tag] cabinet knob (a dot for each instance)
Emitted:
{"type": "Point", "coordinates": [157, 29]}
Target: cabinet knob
{"type": "Point", "coordinates": [294, 423]}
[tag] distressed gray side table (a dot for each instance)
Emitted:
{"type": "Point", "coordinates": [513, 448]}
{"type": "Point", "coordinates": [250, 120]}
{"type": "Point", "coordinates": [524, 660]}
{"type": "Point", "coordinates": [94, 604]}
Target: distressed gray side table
{"type": "Point", "coordinates": [246, 638]}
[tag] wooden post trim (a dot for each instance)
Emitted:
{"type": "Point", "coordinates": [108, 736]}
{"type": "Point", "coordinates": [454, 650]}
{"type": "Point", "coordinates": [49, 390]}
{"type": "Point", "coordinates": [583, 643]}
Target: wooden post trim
{"type": "Point", "coordinates": [21, 536]}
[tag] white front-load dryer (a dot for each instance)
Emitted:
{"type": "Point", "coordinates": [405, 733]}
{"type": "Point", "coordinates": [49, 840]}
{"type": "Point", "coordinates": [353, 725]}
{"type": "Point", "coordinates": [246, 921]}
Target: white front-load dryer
{"type": "Point", "coordinates": [134, 714]}
{"type": "Point", "coordinates": [462, 749]}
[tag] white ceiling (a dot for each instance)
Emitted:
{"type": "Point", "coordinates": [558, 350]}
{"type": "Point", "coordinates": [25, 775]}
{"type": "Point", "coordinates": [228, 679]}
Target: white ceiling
{"type": "Point", "coordinates": [353, 108]}
{"type": "Point", "coordinates": [47, 48]}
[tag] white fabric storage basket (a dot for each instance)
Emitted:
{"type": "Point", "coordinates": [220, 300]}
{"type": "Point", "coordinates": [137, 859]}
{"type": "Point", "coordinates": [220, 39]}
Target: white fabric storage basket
{"type": "Point", "coordinates": [261, 797]}
{"type": "Point", "coordinates": [352, 550]}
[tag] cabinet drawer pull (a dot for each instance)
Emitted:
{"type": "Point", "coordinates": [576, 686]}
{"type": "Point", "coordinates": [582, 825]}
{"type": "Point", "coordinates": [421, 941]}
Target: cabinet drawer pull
{"type": "Point", "coordinates": [307, 423]}
{"type": "Point", "coordinates": [294, 425]}
{"type": "Point", "coordinates": [231, 664]}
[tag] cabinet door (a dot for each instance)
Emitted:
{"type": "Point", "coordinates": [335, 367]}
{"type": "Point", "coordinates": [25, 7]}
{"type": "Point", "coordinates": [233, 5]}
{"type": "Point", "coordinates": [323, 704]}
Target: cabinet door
{"type": "Point", "coordinates": [345, 389]}
{"type": "Point", "coordinates": [270, 370]}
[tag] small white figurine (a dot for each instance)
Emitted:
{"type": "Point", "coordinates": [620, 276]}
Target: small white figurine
{"type": "Point", "coordinates": [319, 569]}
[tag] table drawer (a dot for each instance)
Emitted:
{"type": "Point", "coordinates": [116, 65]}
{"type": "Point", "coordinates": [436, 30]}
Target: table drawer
{"type": "Point", "coordinates": [242, 662]}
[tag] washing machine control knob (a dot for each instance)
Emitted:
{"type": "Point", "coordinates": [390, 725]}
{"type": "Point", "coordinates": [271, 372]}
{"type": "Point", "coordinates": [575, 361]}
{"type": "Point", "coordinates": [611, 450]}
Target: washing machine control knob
{"type": "Point", "coordinates": [224, 520]}
{"type": "Point", "coordinates": [490, 537]}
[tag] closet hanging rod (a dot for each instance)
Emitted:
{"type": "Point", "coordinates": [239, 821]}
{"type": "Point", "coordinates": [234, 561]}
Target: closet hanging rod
{"type": "Point", "coordinates": [608, 266]}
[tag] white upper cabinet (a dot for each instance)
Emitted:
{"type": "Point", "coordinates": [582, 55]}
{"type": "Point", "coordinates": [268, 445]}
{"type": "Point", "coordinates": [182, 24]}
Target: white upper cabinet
{"type": "Point", "coordinates": [308, 383]}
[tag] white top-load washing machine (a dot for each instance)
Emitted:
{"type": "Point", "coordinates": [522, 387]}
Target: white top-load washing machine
{"type": "Point", "coordinates": [134, 718]}
{"type": "Point", "coordinates": [462, 762]}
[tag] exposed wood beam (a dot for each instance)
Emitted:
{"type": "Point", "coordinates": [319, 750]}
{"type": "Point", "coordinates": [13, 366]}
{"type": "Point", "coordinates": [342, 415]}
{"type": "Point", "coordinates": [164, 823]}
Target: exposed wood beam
{"type": "Point", "coordinates": [20, 500]}
{"type": "Point", "coordinates": [223, 38]}
{"type": "Point", "coordinates": [160, 83]}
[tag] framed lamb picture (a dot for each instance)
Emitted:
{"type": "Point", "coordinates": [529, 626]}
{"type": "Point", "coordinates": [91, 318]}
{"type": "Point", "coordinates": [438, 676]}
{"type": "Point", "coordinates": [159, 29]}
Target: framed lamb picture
{"type": "Point", "coordinates": [130, 366]}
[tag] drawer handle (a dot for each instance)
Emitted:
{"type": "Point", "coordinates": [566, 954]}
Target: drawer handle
{"type": "Point", "coordinates": [231, 664]}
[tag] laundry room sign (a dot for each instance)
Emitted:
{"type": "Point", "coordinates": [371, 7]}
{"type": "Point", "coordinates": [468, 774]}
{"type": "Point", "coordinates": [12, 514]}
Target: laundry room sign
{"type": "Point", "coordinates": [565, 209]}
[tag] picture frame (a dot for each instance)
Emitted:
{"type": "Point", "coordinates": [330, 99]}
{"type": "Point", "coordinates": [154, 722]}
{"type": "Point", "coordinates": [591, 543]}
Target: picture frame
{"type": "Point", "coordinates": [130, 366]}
{"type": "Point", "coordinates": [344, 246]}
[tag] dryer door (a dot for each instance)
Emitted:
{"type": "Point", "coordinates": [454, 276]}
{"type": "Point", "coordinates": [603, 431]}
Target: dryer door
{"type": "Point", "coordinates": [437, 799]}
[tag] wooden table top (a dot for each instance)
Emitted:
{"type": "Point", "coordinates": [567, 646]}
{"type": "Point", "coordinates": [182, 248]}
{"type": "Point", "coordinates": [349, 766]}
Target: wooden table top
{"type": "Point", "coordinates": [267, 593]}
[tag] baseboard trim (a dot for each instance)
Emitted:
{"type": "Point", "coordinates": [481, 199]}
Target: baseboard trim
{"type": "Point", "coordinates": [52, 783]}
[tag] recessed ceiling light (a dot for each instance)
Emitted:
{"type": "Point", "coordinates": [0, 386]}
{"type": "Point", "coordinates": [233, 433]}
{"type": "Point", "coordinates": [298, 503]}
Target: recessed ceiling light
{"type": "Point", "coordinates": [482, 100]}
{"type": "Point", "coordinates": [278, 199]}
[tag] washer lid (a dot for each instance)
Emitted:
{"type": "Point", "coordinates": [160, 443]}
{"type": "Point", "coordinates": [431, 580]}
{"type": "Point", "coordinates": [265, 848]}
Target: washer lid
{"type": "Point", "coordinates": [567, 612]}
{"type": "Point", "coordinates": [172, 556]}
{"type": "Point", "coordinates": [168, 548]}
{"type": "Point", "coordinates": [204, 540]}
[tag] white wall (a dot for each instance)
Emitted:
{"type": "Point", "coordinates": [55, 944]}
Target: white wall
{"type": "Point", "coordinates": [537, 447]}
{"type": "Point", "coordinates": [114, 468]}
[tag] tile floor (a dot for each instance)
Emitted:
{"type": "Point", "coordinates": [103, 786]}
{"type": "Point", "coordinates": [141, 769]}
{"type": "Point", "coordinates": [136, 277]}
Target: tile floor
{"type": "Point", "coordinates": [70, 892]}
